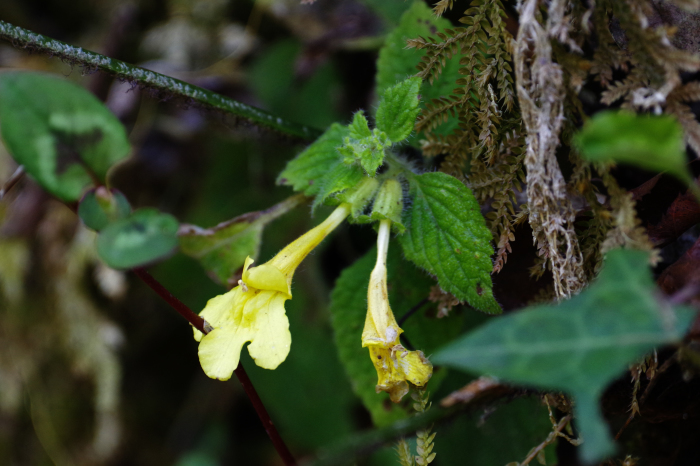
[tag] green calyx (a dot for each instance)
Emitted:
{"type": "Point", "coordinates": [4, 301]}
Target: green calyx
{"type": "Point", "coordinates": [388, 204]}
{"type": "Point", "coordinates": [360, 195]}
{"type": "Point", "coordinates": [383, 193]}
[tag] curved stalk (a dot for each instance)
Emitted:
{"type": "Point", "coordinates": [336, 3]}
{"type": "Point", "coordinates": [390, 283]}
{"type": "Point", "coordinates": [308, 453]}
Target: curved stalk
{"type": "Point", "coordinates": [165, 86]}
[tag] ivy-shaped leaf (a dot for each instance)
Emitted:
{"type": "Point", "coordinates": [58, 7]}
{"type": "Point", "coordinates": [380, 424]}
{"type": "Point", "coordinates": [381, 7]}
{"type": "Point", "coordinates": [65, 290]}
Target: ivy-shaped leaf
{"type": "Point", "coordinates": [222, 249]}
{"type": "Point", "coordinates": [407, 287]}
{"type": "Point", "coordinates": [447, 236]}
{"type": "Point", "coordinates": [66, 139]}
{"type": "Point", "coordinates": [398, 109]}
{"type": "Point", "coordinates": [580, 345]}
{"type": "Point", "coordinates": [304, 172]}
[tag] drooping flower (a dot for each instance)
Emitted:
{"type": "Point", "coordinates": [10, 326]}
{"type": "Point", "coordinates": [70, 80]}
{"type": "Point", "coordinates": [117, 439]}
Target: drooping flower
{"type": "Point", "coordinates": [395, 365]}
{"type": "Point", "coordinates": [254, 310]}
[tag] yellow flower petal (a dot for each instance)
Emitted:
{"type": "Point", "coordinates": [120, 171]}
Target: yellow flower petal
{"type": "Point", "coordinates": [267, 277]}
{"type": "Point", "coordinates": [217, 310]}
{"type": "Point", "coordinates": [272, 341]}
{"type": "Point", "coordinates": [416, 368]}
{"type": "Point", "coordinates": [257, 317]}
{"type": "Point", "coordinates": [380, 324]}
{"type": "Point", "coordinates": [289, 258]}
{"type": "Point", "coordinates": [396, 366]}
{"type": "Point", "coordinates": [254, 311]}
{"type": "Point", "coordinates": [220, 351]}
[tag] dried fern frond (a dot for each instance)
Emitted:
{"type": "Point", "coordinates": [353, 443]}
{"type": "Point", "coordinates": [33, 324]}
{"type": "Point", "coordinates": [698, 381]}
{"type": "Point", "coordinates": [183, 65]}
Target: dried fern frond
{"type": "Point", "coordinates": [442, 6]}
{"type": "Point", "coordinates": [686, 118]}
{"type": "Point", "coordinates": [627, 230]}
{"type": "Point", "coordinates": [500, 183]}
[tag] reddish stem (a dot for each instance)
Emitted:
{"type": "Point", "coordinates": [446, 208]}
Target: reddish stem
{"type": "Point", "coordinates": [198, 323]}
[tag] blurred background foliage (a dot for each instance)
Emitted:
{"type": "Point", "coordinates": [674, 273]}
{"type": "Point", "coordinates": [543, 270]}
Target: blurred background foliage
{"type": "Point", "coordinates": [94, 367]}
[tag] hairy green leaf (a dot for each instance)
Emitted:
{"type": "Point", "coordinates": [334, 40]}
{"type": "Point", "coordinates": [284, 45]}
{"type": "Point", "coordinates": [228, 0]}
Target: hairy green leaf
{"type": "Point", "coordinates": [396, 63]}
{"type": "Point", "coordinates": [145, 236]}
{"type": "Point", "coordinates": [579, 346]}
{"type": "Point", "coordinates": [447, 236]}
{"type": "Point", "coordinates": [340, 178]}
{"type": "Point", "coordinates": [222, 249]}
{"type": "Point", "coordinates": [652, 142]}
{"type": "Point", "coordinates": [407, 287]}
{"type": "Point", "coordinates": [398, 109]}
{"type": "Point", "coordinates": [359, 128]}
{"type": "Point", "coordinates": [66, 139]}
{"type": "Point", "coordinates": [368, 151]}
{"type": "Point", "coordinates": [99, 207]}
{"type": "Point", "coordinates": [305, 171]}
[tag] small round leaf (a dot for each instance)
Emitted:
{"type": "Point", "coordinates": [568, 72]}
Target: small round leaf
{"type": "Point", "coordinates": [100, 207]}
{"type": "Point", "coordinates": [145, 236]}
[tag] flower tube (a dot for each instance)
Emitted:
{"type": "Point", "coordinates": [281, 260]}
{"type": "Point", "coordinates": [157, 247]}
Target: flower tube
{"type": "Point", "coordinates": [395, 365]}
{"type": "Point", "coordinates": [254, 310]}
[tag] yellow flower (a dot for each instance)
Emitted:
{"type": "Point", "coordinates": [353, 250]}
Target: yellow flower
{"type": "Point", "coordinates": [254, 310]}
{"type": "Point", "coordinates": [394, 364]}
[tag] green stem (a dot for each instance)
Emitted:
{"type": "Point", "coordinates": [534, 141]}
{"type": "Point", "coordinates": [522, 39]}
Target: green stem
{"type": "Point", "coordinates": [165, 85]}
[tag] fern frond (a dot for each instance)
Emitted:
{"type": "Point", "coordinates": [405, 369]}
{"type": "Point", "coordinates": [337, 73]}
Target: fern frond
{"type": "Point", "coordinates": [442, 6]}
{"type": "Point", "coordinates": [403, 451]}
{"type": "Point", "coordinates": [627, 230]}
{"type": "Point", "coordinates": [690, 125]}
{"type": "Point", "coordinates": [689, 92]}
{"type": "Point", "coordinates": [424, 438]}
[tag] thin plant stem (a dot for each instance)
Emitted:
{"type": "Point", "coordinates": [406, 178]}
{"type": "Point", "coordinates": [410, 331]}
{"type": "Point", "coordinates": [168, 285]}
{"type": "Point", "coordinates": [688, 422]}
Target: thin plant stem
{"type": "Point", "coordinates": [201, 325]}
{"type": "Point", "coordinates": [164, 86]}
{"type": "Point", "coordinates": [548, 441]}
{"type": "Point", "coordinates": [16, 176]}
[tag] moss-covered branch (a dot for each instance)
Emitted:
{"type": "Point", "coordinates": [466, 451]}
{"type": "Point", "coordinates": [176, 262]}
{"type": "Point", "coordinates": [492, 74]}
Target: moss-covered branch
{"type": "Point", "coordinates": [165, 86]}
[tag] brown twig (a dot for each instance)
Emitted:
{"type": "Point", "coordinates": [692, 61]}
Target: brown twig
{"type": "Point", "coordinates": [202, 325]}
{"type": "Point", "coordinates": [548, 441]}
{"type": "Point", "coordinates": [16, 176]}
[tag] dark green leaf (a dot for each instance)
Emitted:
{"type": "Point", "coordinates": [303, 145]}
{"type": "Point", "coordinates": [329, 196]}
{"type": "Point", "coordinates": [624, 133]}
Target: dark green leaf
{"type": "Point", "coordinates": [407, 287]}
{"type": "Point", "coordinates": [398, 109]}
{"type": "Point", "coordinates": [652, 142]}
{"type": "Point", "coordinates": [99, 207]}
{"type": "Point", "coordinates": [305, 171]}
{"type": "Point", "coordinates": [447, 236]}
{"type": "Point", "coordinates": [579, 346]}
{"type": "Point", "coordinates": [145, 236]}
{"type": "Point", "coordinates": [65, 138]}
{"type": "Point", "coordinates": [222, 249]}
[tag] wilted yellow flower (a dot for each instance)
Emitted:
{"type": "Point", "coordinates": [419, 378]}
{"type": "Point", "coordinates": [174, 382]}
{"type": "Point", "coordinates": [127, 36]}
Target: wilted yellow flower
{"type": "Point", "coordinates": [254, 310]}
{"type": "Point", "coordinates": [394, 364]}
